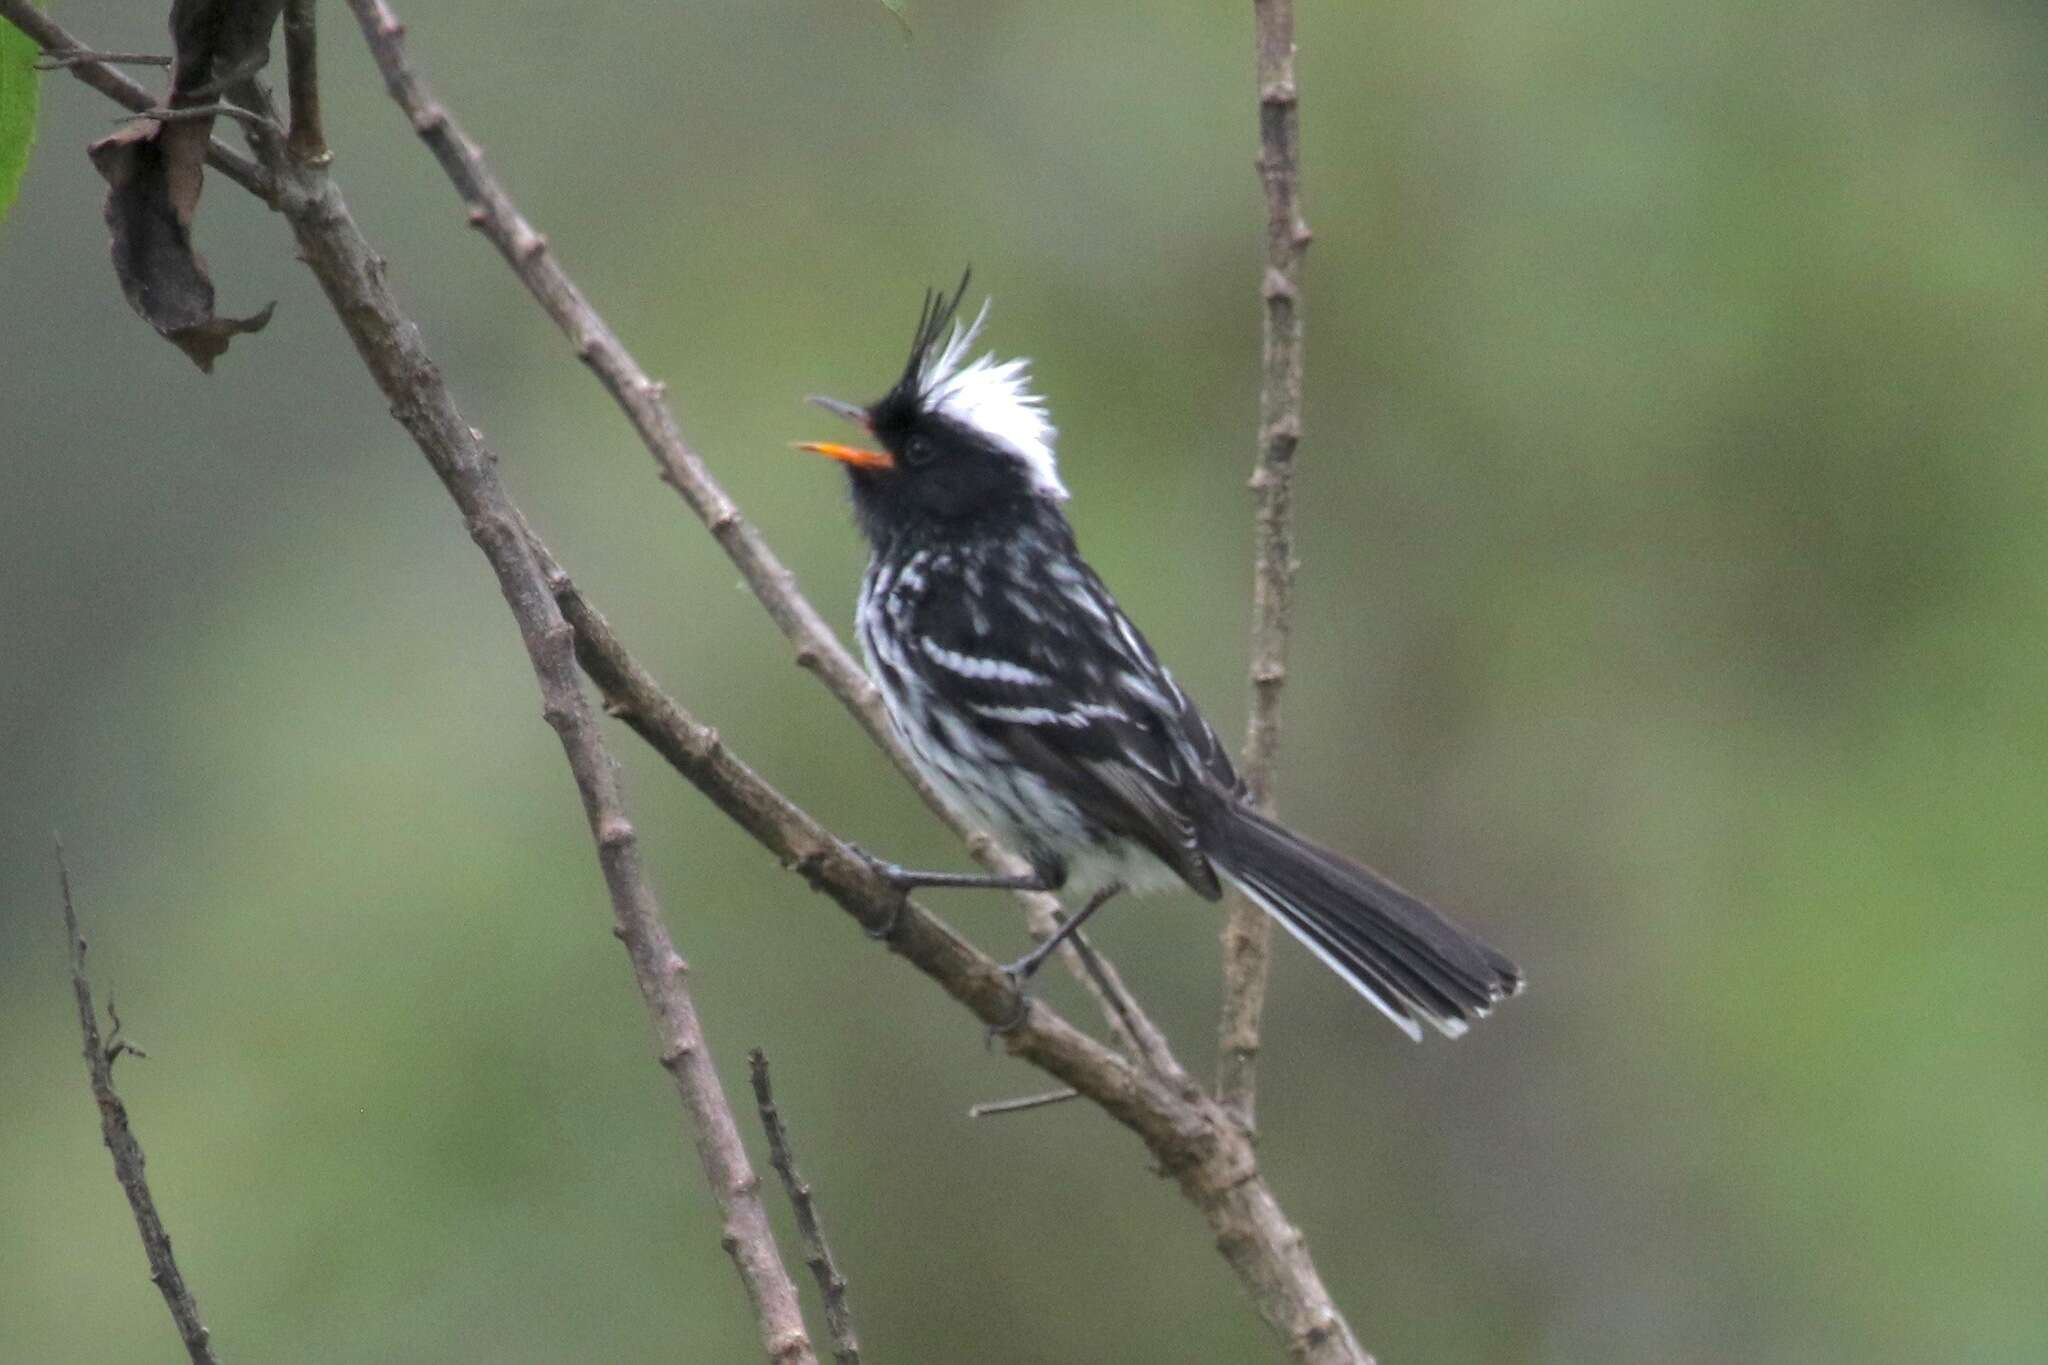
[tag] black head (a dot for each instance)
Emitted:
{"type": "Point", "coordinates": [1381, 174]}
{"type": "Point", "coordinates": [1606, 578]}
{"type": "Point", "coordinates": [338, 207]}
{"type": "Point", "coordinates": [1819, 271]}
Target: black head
{"type": "Point", "coordinates": [958, 440]}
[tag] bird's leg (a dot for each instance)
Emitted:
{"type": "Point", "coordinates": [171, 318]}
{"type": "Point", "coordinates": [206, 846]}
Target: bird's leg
{"type": "Point", "coordinates": [908, 879]}
{"type": "Point", "coordinates": [904, 880]}
{"type": "Point", "coordinates": [1021, 970]}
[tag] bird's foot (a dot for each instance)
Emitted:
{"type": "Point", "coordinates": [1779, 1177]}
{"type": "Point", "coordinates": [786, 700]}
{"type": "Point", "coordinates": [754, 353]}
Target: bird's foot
{"type": "Point", "coordinates": [894, 877]}
{"type": "Point", "coordinates": [1020, 986]}
{"type": "Point", "coordinates": [898, 877]}
{"type": "Point", "coordinates": [1019, 974]}
{"type": "Point", "coordinates": [1024, 968]}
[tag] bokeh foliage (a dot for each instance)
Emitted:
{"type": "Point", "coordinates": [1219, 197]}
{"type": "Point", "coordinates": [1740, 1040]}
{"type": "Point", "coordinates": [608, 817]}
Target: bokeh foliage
{"type": "Point", "coordinates": [1672, 606]}
{"type": "Point", "coordinates": [18, 84]}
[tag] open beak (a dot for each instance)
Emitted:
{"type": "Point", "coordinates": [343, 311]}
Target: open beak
{"type": "Point", "coordinates": [852, 412]}
{"type": "Point", "coordinates": [853, 455]}
{"type": "Point", "coordinates": [848, 455]}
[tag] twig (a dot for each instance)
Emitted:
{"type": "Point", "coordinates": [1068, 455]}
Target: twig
{"type": "Point", "coordinates": [1188, 1135]}
{"type": "Point", "coordinates": [307, 140]}
{"type": "Point", "coordinates": [644, 402]}
{"type": "Point", "coordinates": [992, 1108]}
{"type": "Point", "coordinates": [353, 276]}
{"type": "Point", "coordinates": [1247, 933]}
{"type": "Point", "coordinates": [88, 69]}
{"type": "Point", "coordinates": [817, 1251]}
{"type": "Point", "coordinates": [192, 113]}
{"type": "Point", "coordinates": [120, 1140]}
{"type": "Point", "coordinates": [57, 61]}
{"type": "Point", "coordinates": [117, 1046]}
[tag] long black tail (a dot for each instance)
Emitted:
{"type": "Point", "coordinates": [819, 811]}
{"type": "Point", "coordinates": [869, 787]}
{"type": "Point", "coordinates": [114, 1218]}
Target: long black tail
{"type": "Point", "coordinates": [1394, 950]}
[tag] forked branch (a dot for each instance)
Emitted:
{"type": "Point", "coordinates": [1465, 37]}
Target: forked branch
{"type": "Point", "coordinates": [1187, 1133]}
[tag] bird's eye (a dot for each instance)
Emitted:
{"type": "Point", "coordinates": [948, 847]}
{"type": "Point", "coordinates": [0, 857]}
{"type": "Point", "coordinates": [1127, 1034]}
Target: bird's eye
{"type": "Point", "coordinates": [919, 451]}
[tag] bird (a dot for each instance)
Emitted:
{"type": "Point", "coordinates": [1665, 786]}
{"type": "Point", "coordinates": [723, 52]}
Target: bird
{"type": "Point", "coordinates": [1038, 712]}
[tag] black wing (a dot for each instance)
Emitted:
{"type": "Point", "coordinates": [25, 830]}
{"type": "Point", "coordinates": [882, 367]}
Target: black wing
{"type": "Point", "coordinates": [1030, 647]}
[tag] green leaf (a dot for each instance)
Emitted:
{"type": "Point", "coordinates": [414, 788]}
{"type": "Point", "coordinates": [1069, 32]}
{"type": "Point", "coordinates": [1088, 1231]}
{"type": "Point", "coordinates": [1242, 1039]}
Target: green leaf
{"type": "Point", "coordinates": [18, 84]}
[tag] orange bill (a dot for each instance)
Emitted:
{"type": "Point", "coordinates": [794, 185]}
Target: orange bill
{"type": "Point", "coordinates": [850, 455]}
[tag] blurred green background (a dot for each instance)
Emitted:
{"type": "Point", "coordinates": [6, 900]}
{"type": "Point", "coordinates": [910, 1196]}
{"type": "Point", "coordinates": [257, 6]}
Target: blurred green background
{"type": "Point", "coordinates": [1672, 608]}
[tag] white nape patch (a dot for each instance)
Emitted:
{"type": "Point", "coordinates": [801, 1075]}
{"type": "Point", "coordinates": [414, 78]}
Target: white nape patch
{"type": "Point", "coordinates": [995, 399]}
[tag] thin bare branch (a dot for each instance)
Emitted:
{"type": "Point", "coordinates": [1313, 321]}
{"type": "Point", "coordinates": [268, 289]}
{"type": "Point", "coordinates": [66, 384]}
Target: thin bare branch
{"type": "Point", "coordinates": [1247, 932]}
{"type": "Point", "coordinates": [993, 1108]}
{"type": "Point", "coordinates": [644, 402]}
{"type": "Point", "coordinates": [199, 113]}
{"type": "Point", "coordinates": [91, 70]}
{"type": "Point", "coordinates": [353, 276]}
{"type": "Point", "coordinates": [308, 139]}
{"type": "Point", "coordinates": [120, 1140]}
{"type": "Point", "coordinates": [60, 60]}
{"type": "Point", "coordinates": [817, 1251]}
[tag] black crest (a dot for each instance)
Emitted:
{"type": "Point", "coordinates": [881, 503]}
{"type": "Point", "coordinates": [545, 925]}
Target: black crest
{"type": "Point", "coordinates": [903, 402]}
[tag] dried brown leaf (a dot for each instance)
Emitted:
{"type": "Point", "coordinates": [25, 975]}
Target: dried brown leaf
{"type": "Point", "coordinates": [152, 173]}
{"type": "Point", "coordinates": [155, 170]}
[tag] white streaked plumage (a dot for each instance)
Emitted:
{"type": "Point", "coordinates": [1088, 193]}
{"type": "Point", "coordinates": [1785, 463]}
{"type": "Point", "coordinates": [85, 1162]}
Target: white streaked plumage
{"type": "Point", "coordinates": [1075, 716]}
{"type": "Point", "coordinates": [994, 398]}
{"type": "Point", "coordinates": [970, 771]}
{"type": "Point", "coordinates": [988, 670]}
